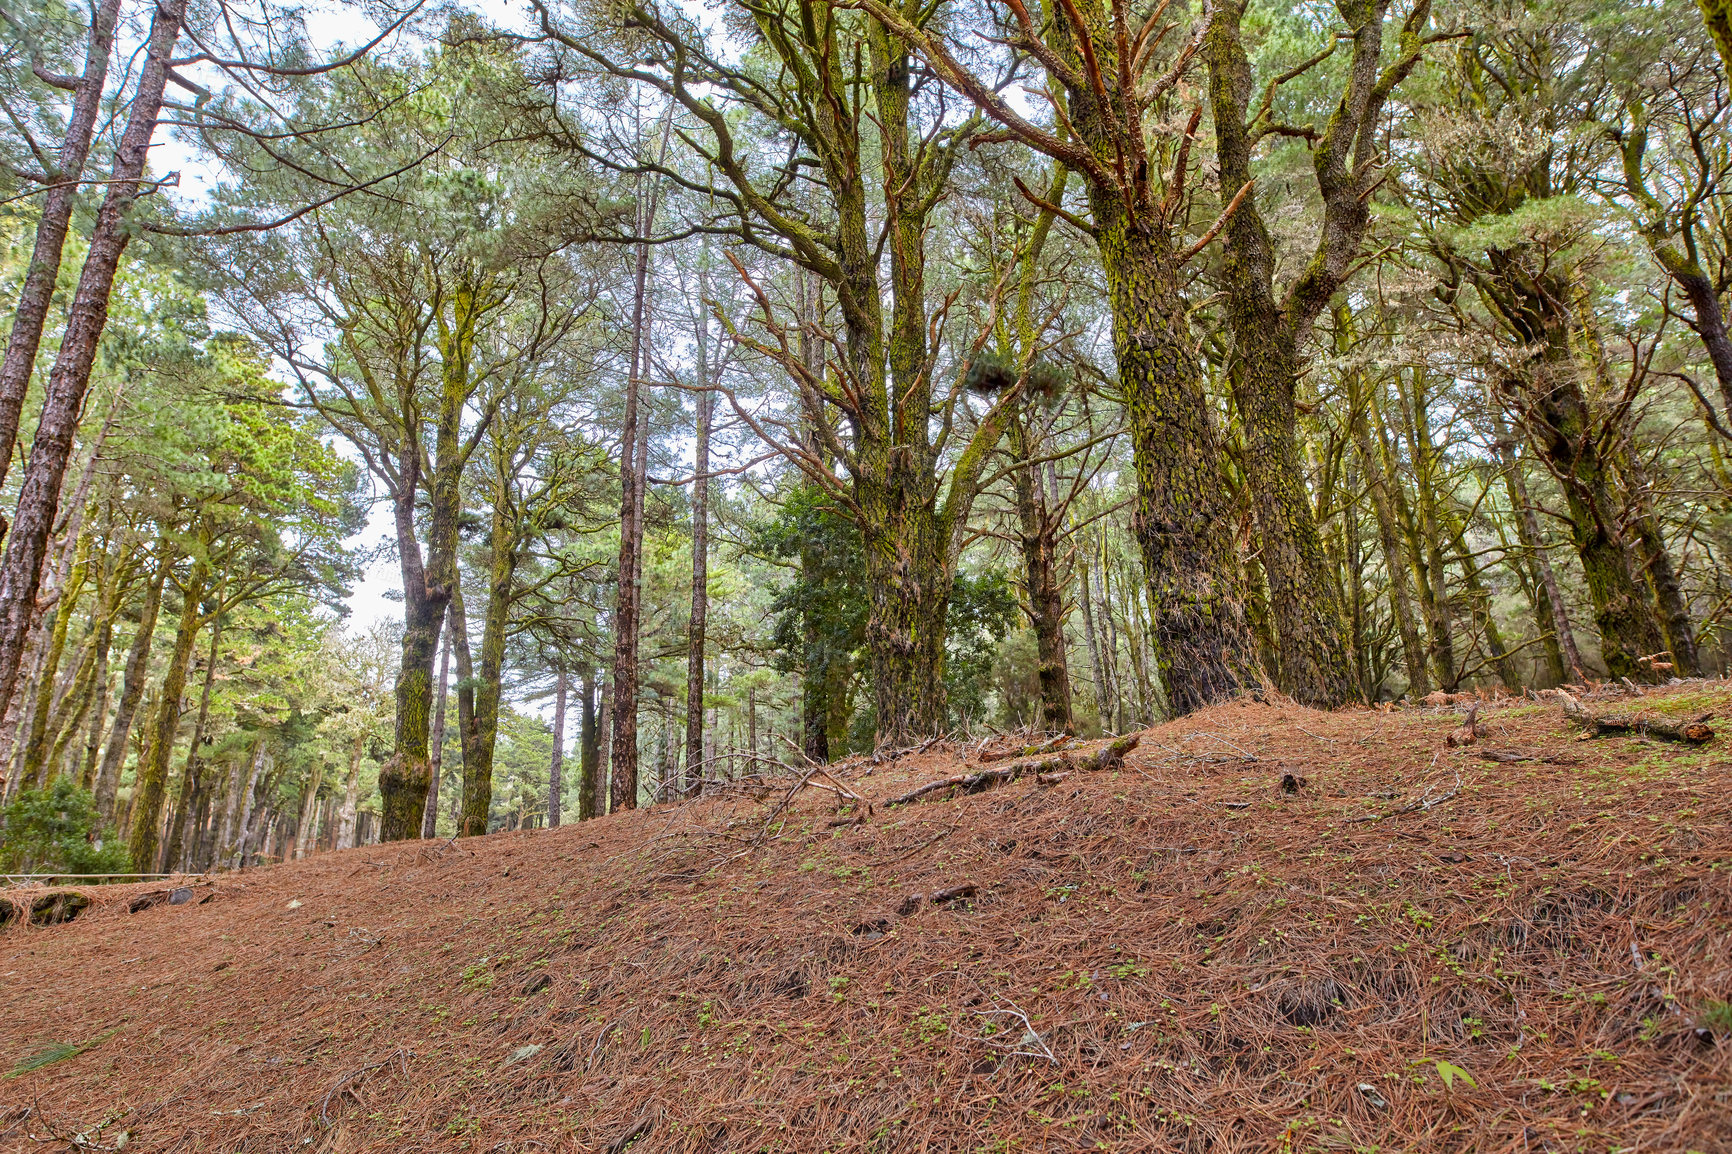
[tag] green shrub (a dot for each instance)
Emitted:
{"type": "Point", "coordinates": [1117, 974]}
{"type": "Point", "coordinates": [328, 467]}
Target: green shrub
{"type": "Point", "coordinates": [58, 830]}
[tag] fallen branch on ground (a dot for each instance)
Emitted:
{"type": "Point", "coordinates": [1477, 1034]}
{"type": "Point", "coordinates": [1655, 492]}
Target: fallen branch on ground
{"type": "Point", "coordinates": [1106, 757]}
{"type": "Point", "coordinates": [1024, 750]}
{"type": "Point", "coordinates": [1693, 731]}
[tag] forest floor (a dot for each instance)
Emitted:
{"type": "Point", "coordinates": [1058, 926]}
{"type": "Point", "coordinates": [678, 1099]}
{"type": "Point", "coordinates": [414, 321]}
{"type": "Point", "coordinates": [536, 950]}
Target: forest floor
{"type": "Point", "coordinates": [1417, 948]}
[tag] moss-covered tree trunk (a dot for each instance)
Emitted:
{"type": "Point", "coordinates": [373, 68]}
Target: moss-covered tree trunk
{"type": "Point", "coordinates": [152, 782]}
{"type": "Point", "coordinates": [1043, 592]}
{"type": "Point", "coordinates": [192, 785]}
{"type": "Point", "coordinates": [428, 584]}
{"type": "Point", "coordinates": [481, 731]}
{"type": "Point", "coordinates": [1395, 562]}
{"type": "Point", "coordinates": [132, 685]}
{"type": "Point", "coordinates": [590, 788]}
{"type": "Point", "coordinates": [1182, 517]}
{"type": "Point", "coordinates": [1563, 432]}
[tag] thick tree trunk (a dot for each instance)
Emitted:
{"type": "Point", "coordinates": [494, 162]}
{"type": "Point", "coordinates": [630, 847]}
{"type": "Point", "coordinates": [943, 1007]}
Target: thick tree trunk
{"type": "Point", "coordinates": [152, 784]}
{"type": "Point", "coordinates": [1563, 435]}
{"type": "Point", "coordinates": [37, 292]}
{"type": "Point", "coordinates": [63, 400]}
{"type": "Point", "coordinates": [132, 687]}
{"type": "Point", "coordinates": [436, 755]}
{"type": "Point", "coordinates": [556, 766]}
{"type": "Point", "coordinates": [1182, 519]}
{"type": "Point", "coordinates": [192, 786]}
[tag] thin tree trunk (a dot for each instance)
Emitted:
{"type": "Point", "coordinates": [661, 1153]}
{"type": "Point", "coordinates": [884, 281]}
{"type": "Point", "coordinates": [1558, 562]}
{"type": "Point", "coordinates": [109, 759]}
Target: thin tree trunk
{"type": "Point", "coordinates": [436, 756]}
{"type": "Point", "coordinates": [58, 201]}
{"type": "Point", "coordinates": [628, 602]}
{"type": "Point", "coordinates": [1395, 561]}
{"type": "Point", "coordinates": [307, 830]}
{"type": "Point", "coordinates": [591, 789]}
{"type": "Point", "coordinates": [37, 735]}
{"type": "Point", "coordinates": [153, 770]}
{"type": "Point", "coordinates": [192, 786]}
{"type": "Point", "coordinates": [556, 767]}
{"type": "Point", "coordinates": [481, 731]}
{"type": "Point", "coordinates": [351, 797]}
{"type": "Point", "coordinates": [63, 400]}
{"type": "Point", "coordinates": [604, 749]}
{"type": "Point", "coordinates": [1086, 600]}
{"type": "Point", "coordinates": [700, 573]}
{"type": "Point", "coordinates": [132, 687]}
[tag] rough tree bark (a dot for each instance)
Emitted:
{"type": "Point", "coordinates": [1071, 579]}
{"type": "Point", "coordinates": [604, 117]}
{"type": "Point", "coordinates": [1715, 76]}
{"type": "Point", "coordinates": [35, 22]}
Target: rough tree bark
{"type": "Point", "coordinates": [192, 785]}
{"type": "Point", "coordinates": [132, 685]}
{"type": "Point", "coordinates": [153, 768]}
{"type": "Point", "coordinates": [556, 766]}
{"type": "Point", "coordinates": [700, 569]}
{"type": "Point", "coordinates": [436, 755]}
{"type": "Point", "coordinates": [61, 195]}
{"type": "Point", "coordinates": [63, 399]}
{"type": "Point", "coordinates": [590, 791]}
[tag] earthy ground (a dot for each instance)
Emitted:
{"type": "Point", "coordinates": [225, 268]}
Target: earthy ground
{"type": "Point", "coordinates": [1417, 949]}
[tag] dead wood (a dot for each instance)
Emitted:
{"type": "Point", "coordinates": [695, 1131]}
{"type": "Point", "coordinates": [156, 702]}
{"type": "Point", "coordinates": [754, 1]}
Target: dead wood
{"type": "Point", "coordinates": [1467, 732]}
{"type": "Point", "coordinates": [1692, 731]}
{"type": "Point", "coordinates": [1107, 757]}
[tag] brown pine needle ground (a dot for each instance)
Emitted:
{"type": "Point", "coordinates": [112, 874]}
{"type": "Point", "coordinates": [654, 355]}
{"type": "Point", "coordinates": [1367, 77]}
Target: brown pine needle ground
{"type": "Point", "coordinates": [1416, 948]}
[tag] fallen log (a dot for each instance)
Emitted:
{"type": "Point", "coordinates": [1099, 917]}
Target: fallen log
{"type": "Point", "coordinates": [1692, 731]}
{"type": "Point", "coordinates": [1107, 757]}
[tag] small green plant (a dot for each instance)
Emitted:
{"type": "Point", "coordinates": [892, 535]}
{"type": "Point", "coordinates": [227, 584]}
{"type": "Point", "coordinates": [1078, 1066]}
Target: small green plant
{"type": "Point", "coordinates": [478, 976]}
{"type": "Point", "coordinates": [1717, 1016]}
{"type": "Point", "coordinates": [1451, 1073]}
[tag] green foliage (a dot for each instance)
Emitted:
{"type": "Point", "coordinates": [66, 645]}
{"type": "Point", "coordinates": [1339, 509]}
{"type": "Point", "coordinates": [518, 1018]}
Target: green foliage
{"type": "Point", "coordinates": [983, 610]}
{"type": "Point", "coordinates": [57, 830]}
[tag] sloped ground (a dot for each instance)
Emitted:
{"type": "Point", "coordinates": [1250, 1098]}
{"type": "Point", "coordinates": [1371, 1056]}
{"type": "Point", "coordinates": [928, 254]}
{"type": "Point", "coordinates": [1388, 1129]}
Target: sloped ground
{"type": "Point", "coordinates": [1419, 949]}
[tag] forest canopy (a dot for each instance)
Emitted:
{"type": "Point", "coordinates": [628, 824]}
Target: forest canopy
{"type": "Point", "coordinates": [720, 389]}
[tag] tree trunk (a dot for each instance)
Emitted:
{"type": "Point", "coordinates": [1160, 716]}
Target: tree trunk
{"type": "Point", "coordinates": [1086, 600]}
{"type": "Point", "coordinates": [591, 791]}
{"type": "Point", "coordinates": [481, 730]}
{"type": "Point", "coordinates": [37, 735]}
{"type": "Point", "coordinates": [436, 756]}
{"type": "Point", "coordinates": [633, 476]}
{"type": "Point", "coordinates": [556, 766]}
{"type": "Point", "coordinates": [153, 770]}
{"type": "Point", "coordinates": [351, 797]}
{"type": "Point", "coordinates": [192, 787]}
{"type": "Point", "coordinates": [307, 829]}
{"type": "Point", "coordinates": [1669, 602]}
{"type": "Point", "coordinates": [700, 575]}
{"type": "Point", "coordinates": [58, 201]}
{"type": "Point", "coordinates": [1562, 430]}
{"type": "Point", "coordinates": [1182, 520]}
{"type": "Point", "coordinates": [242, 825]}
{"type": "Point", "coordinates": [1042, 591]}
{"type": "Point", "coordinates": [1395, 561]}
{"type": "Point", "coordinates": [99, 704]}
{"type": "Point", "coordinates": [63, 400]}
{"type": "Point", "coordinates": [131, 687]}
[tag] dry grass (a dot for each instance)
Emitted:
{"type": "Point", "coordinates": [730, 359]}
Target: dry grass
{"type": "Point", "coordinates": [1420, 949]}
